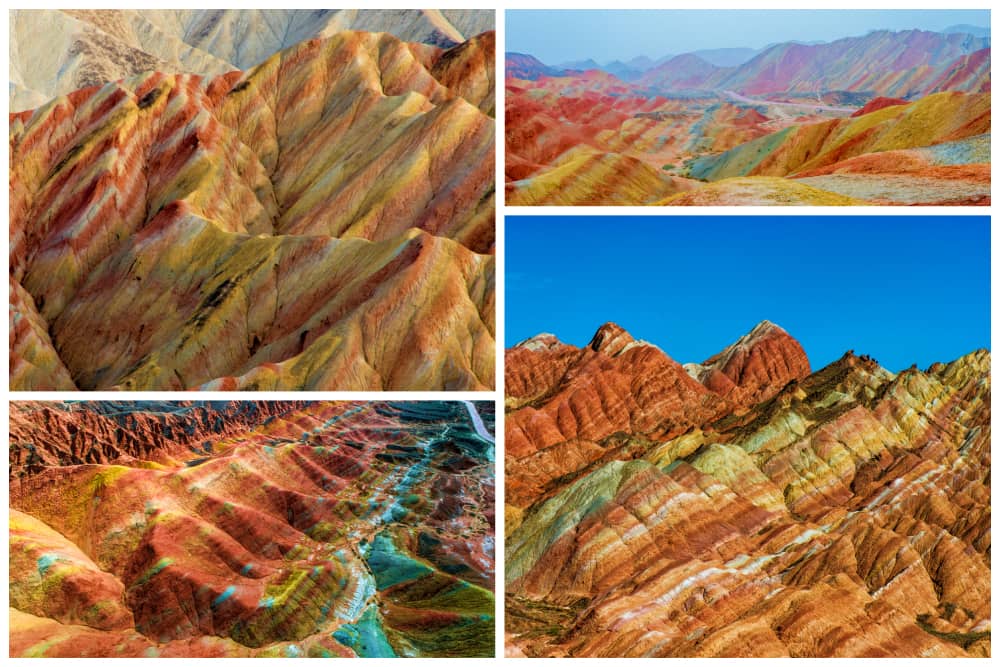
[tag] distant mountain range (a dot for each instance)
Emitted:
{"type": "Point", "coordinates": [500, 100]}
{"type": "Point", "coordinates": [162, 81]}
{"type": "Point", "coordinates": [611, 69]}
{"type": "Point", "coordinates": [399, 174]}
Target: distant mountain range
{"type": "Point", "coordinates": [636, 67]}
{"type": "Point", "coordinates": [907, 64]}
{"type": "Point", "coordinates": [974, 30]}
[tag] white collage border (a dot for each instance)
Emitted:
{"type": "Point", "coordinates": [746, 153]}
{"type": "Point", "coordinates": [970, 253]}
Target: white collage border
{"type": "Point", "coordinates": [760, 212]}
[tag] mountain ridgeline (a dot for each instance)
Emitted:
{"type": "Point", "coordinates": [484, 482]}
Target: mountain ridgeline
{"type": "Point", "coordinates": [745, 506]}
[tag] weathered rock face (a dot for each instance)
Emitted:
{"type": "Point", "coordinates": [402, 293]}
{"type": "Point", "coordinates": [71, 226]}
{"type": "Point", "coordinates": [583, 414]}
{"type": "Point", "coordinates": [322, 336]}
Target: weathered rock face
{"type": "Point", "coordinates": [46, 434]}
{"type": "Point", "coordinates": [754, 368]}
{"type": "Point", "coordinates": [253, 529]}
{"type": "Point", "coordinates": [323, 221]}
{"type": "Point", "coordinates": [840, 513]}
{"type": "Point", "coordinates": [576, 407]}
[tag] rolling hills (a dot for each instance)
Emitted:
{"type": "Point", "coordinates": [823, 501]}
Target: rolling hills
{"type": "Point", "coordinates": [324, 220]}
{"type": "Point", "coordinates": [744, 506]}
{"type": "Point", "coordinates": [888, 118]}
{"type": "Point", "coordinates": [251, 529]}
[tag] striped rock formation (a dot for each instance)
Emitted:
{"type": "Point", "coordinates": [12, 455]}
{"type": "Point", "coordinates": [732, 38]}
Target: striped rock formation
{"type": "Point", "coordinates": [322, 221]}
{"type": "Point", "coordinates": [885, 119]}
{"type": "Point", "coordinates": [844, 512]}
{"type": "Point", "coordinates": [255, 529]}
{"type": "Point", "coordinates": [933, 120]}
{"type": "Point", "coordinates": [46, 434]}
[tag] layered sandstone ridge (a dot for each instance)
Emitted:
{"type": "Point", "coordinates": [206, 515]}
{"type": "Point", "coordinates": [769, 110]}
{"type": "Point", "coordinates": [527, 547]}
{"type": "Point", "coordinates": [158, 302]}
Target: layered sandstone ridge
{"type": "Point", "coordinates": [842, 512]}
{"type": "Point", "coordinates": [755, 367]}
{"type": "Point", "coordinates": [44, 434]}
{"type": "Point", "coordinates": [243, 529]}
{"type": "Point", "coordinates": [261, 230]}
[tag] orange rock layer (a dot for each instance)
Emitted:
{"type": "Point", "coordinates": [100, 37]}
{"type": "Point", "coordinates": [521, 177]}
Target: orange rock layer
{"type": "Point", "coordinates": [775, 512]}
{"type": "Point", "coordinates": [324, 220]}
{"type": "Point", "coordinates": [252, 529]}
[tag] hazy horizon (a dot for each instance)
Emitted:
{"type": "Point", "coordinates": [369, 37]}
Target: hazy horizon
{"type": "Point", "coordinates": [901, 289]}
{"type": "Point", "coordinates": [598, 34]}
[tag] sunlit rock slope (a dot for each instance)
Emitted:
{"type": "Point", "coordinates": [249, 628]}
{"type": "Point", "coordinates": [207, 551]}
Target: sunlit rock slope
{"type": "Point", "coordinates": [749, 506]}
{"type": "Point", "coordinates": [324, 220]}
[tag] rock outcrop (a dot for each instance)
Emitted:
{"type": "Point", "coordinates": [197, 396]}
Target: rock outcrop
{"type": "Point", "coordinates": [842, 512]}
{"type": "Point", "coordinates": [754, 368]}
{"type": "Point", "coordinates": [322, 221]}
{"type": "Point", "coordinates": [252, 529]}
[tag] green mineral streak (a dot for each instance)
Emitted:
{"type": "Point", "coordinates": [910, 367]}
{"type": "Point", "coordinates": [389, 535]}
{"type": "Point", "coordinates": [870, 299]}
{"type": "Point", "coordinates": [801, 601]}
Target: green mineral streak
{"type": "Point", "coordinates": [107, 477]}
{"type": "Point", "coordinates": [39, 650]}
{"type": "Point", "coordinates": [366, 637]}
{"type": "Point", "coordinates": [97, 612]}
{"type": "Point", "coordinates": [467, 637]}
{"type": "Point", "coordinates": [963, 639]}
{"type": "Point", "coordinates": [322, 531]}
{"type": "Point", "coordinates": [465, 597]}
{"type": "Point", "coordinates": [443, 592]}
{"type": "Point", "coordinates": [390, 566]}
{"type": "Point", "coordinates": [563, 512]}
{"type": "Point", "coordinates": [297, 552]}
{"type": "Point", "coordinates": [293, 608]}
{"type": "Point", "coordinates": [153, 571]}
{"type": "Point", "coordinates": [737, 161]}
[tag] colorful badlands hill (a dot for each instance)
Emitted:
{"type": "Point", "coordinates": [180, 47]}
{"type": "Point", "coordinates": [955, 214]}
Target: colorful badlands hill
{"type": "Point", "coordinates": [322, 221]}
{"type": "Point", "coordinates": [796, 124]}
{"type": "Point", "coordinates": [279, 529]}
{"type": "Point", "coordinates": [744, 506]}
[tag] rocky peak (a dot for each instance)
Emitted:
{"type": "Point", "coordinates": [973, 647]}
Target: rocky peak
{"type": "Point", "coordinates": [762, 329]}
{"type": "Point", "coordinates": [755, 367]}
{"type": "Point", "coordinates": [611, 339]}
{"type": "Point", "coordinates": [542, 341]}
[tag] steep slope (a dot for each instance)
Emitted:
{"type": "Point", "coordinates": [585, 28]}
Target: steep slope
{"type": "Point", "coordinates": [840, 513]}
{"type": "Point", "coordinates": [54, 52]}
{"type": "Point", "coordinates": [266, 229]}
{"type": "Point", "coordinates": [755, 367]}
{"type": "Point", "coordinates": [578, 413]}
{"type": "Point", "coordinates": [322, 530]}
{"type": "Point", "coordinates": [48, 435]}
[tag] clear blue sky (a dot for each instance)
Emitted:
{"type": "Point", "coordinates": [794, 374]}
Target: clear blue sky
{"type": "Point", "coordinates": [557, 36]}
{"type": "Point", "coordinates": [902, 289]}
